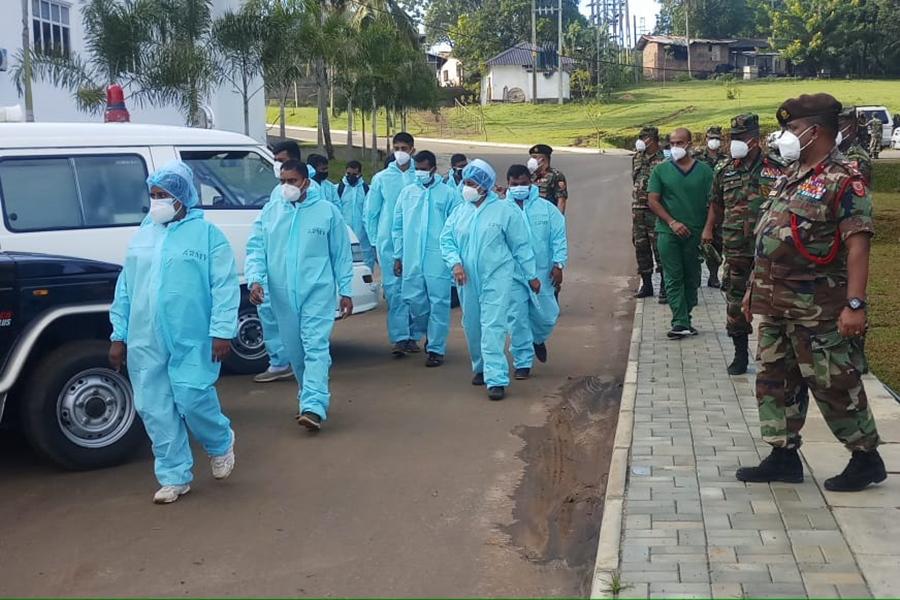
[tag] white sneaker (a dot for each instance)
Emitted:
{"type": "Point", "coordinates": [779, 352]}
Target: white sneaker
{"type": "Point", "coordinates": [223, 465]}
{"type": "Point", "coordinates": [168, 494]}
{"type": "Point", "coordinates": [274, 374]}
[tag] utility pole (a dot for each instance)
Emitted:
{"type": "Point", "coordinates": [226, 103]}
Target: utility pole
{"type": "Point", "coordinates": [26, 59]}
{"type": "Point", "coordinates": [559, 53]}
{"type": "Point", "coordinates": [533, 52]}
{"type": "Point", "coordinates": [687, 36]}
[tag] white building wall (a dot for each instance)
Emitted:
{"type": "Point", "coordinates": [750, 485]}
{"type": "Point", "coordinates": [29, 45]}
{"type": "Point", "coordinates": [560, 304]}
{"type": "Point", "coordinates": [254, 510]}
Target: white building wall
{"type": "Point", "coordinates": [512, 76]}
{"type": "Point", "coordinates": [55, 104]}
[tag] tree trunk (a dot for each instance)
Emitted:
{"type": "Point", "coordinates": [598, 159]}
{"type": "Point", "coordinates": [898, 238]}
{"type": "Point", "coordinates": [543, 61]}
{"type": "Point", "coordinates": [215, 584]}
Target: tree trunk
{"type": "Point", "coordinates": [245, 97]}
{"type": "Point", "coordinates": [331, 90]}
{"type": "Point", "coordinates": [324, 124]}
{"type": "Point", "coordinates": [403, 119]}
{"type": "Point", "coordinates": [349, 125]}
{"type": "Point", "coordinates": [281, 102]}
{"type": "Point", "coordinates": [388, 123]}
{"type": "Point", "coordinates": [374, 132]}
{"type": "Point", "coordinates": [362, 130]}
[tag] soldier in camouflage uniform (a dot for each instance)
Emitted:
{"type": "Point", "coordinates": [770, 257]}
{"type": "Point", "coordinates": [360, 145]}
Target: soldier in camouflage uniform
{"type": "Point", "coordinates": [712, 155]}
{"type": "Point", "coordinates": [643, 221]}
{"type": "Point", "coordinates": [551, 183]}
{"type": "Point", "coordinates": [809, 285]}
{"type": "Point", "coordinates": [876, 131]}
{"type": "Point", "coordinates": [740, 185]}
{"type": "Point", "coordinates": [849, 145]}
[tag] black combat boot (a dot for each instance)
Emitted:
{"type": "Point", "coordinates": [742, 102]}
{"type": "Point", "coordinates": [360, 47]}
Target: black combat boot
{"type": "Point", "coordinates": [864, 468]}
{"type": "Point", "coordinates": [646, 290]}
{"type": "Point", "coordinates": [741, 355]}
{"type": "Point", "coordinates": [713, 280]}
{"type": "Point", "coordinates": [662, 290]}
{"type": "Point", "coordinates": [781, 465]}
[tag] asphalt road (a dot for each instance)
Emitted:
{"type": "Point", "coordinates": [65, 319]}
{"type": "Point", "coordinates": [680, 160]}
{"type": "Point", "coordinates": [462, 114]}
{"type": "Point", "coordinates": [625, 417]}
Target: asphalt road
{"type": "Point", "coordinates": [417, 486]}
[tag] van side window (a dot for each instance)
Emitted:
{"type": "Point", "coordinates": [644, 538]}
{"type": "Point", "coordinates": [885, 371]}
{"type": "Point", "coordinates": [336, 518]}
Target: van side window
{"type": "Point", "coordinates": [74, 192]}
{"type": "Point", "coordinates": [231, 178]}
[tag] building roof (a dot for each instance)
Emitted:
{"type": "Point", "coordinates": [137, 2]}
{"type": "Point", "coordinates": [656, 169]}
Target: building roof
{"type": "Point", "coordinates": [672, 40]}
{"type": "Point", "coordinates": [749, 44]}
{"type": "Point", "coordinates": [520, 55]}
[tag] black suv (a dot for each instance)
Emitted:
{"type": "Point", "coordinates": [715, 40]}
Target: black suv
{"type": "Point", "coordinates": [56, 379]}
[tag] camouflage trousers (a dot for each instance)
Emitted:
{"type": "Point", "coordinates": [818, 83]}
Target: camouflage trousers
{"type": "Point", "coordinates": [794, 353]}
{"type": "Point", "coordinates": [718, 244]}
{"type": "Point", "coordinates": [734, 285]}
{"type": "Point", "coordinates": [643, 236]}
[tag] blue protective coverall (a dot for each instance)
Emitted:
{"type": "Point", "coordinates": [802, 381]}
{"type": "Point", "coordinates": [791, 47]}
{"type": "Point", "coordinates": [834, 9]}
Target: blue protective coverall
{"type": "Point", "coordinates": [177, 291]}
{"type": "Point", "coordinates": [489, 242]}
{"type": "Point", "coordinates": [532, 317]}
{"type": "Point", "coordinates": [419, 218]}
{"type": "Point", "coordinates": [298, 253]}
{"type": "Point", "coordinates": [380, 203]}
{"type": "Point", "coordinates": [352, 202]}
{"type": "Point", "coordinates": [271, 336]}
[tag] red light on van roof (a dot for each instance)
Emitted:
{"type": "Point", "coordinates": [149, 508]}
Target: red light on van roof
{"type": "Point", "coordinates": [115, 106]}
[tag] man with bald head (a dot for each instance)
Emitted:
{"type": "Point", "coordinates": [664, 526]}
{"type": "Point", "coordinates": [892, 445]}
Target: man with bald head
{"type": "Point", "coordinates": [677, 194]}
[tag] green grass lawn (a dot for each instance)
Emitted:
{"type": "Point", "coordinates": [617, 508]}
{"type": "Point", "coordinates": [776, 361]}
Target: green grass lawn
{"type": "Point", "coordinates": [883, 339]}
{"type": "Point", "coordinates": [615, 124]}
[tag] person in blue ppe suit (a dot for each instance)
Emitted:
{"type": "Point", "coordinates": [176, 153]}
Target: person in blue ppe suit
{"type": "Point", "coordinates": [351, 194]}
{"type": "Point", "coordinates": [532, 317]}
{"type": "Point", "coordinates": [328, 190]}
{"type": "Point", "coordinates": [453, 178]}
{"type": "Point", "coordinates": [483, 242]}
{"type": "Point", "coordinates": [175, 313]}
{"type": "Point", "coordinates": [419, 217]}
{"type": "Point", "coordinates": [379, 210]}
{"type": "Point", "coordinates": [298, 252]}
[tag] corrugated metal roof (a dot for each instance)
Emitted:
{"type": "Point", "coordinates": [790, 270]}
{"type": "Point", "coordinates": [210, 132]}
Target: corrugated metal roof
{"type": "Point", "coordinates": [671, 40]}
{"type": "Point", "coordinates": [520, 55]}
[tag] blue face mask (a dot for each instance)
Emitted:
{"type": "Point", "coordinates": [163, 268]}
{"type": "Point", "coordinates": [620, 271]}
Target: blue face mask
{"type": "Point", "coordinates": [667, 153]}
{"type": "Point", "coordinates": [519, 192]}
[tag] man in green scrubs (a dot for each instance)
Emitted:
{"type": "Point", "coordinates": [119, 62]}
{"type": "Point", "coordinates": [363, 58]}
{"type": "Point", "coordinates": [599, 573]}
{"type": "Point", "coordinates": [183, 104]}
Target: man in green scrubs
{"type": "Point", "coordinates": [677, 194]}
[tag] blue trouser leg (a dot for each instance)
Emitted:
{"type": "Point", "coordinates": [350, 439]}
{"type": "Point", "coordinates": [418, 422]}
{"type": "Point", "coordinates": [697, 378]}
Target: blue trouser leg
{"type": "Point", "coordinates": [494, 307]}
{"type": "Point", "coordinates": [415, 295]}
{"type": "Point", "coordinates": [397, 310]}
{"type": "Point", "coordinates": [200, 409]}
{"type": "Point", "coordinates": [521, 340]}
{"type": "Point", "coordinates": [316, 322]}
{"type": "Point", "coordinates": [471, 323]}
{"type": "Point", "coordinates": [438, 289]}
{"type": "Point", "coordinates": [544, 313]}
{"type": "Point", "coordinates": [271, 334]}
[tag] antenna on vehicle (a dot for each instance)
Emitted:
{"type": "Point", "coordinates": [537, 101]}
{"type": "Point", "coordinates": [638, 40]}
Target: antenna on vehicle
{"type": "Point", "coordinates": [115, 106]}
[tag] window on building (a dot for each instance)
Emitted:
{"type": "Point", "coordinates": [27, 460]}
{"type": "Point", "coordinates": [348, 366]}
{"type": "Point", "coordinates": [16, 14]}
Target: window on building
{"type": "Point", "coordinates": [446, 75]}
{"type": "Point", "coordinates": [50, 27]}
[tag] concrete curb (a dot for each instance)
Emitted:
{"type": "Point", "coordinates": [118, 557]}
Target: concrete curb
{"type": "Point", "coordinates": [566, 150]}
{"type": "Point", "coordinates": [606, 565]}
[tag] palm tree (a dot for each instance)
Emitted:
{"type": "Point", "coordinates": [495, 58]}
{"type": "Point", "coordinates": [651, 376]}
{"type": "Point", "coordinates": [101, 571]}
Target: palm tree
{"type": "Point", "coordinates": [239, 39]}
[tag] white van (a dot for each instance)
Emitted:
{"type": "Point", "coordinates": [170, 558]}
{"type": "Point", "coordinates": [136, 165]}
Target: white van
{"type": "Point", "coordinates": [881, 113]}
{"type": "Point", "coordinates": [79, 189]}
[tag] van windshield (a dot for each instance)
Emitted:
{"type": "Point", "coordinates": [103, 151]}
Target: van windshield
{"type": "Point", "coordinates": [231, 179]}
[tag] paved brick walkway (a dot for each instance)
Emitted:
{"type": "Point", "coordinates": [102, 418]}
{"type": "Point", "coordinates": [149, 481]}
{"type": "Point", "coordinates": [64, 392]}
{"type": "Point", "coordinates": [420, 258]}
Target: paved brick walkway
{"type": "Point", "coordinates": [689, 528]}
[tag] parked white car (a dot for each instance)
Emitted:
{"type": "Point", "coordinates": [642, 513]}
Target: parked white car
{"type": "Point", "coordinates": [78, 189]}
{"type": "Point", "coordinates": [895, 139]}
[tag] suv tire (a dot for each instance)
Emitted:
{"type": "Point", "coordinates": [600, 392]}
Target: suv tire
{"type": "Point", "coordinates": [248, 352]}
{"type": "Point", "coordinates": [77, 411]}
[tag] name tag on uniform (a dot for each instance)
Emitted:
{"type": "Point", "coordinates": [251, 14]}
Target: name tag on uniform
{"type": "Point", "coordinates": [812, 188]}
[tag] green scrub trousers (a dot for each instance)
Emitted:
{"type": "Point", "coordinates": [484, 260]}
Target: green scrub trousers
{"type": "Point", "coordinates": [681, 264]}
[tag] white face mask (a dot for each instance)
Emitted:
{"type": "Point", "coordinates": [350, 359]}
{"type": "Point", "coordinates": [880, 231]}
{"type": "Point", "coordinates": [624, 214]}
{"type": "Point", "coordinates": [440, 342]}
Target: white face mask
{"type": "Point", "coordinates": [532, 164]}
{"type": "Point", "coordinates": [640, 146]}
{"type": "Point", "coordinates": [402, 157]}
{"type": "Point", "coordinates": [470, 194]}
{"type": "Point", "coordinates": [789, 145]}
{"type": "Point", "coordinates": [714, 144]}
{"type": "Point", "coordinates": [678, 153]}
{"type": "Point", "coordinates": [277, 169]}
{"type": "Point", "coordinates": [162, 211]}
{"type": "Point", "coordinates": [519, 192]}
{"type": "Point", "coordinates": [423, 177]}
{"type": "Point", "coordinates": [290, 192]}
{"type": "Point", "coordinates": [739, 149]}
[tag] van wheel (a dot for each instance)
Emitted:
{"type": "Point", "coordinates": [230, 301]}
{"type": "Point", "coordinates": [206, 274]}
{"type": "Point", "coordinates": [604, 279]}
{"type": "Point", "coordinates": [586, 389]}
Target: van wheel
{"type": "Point", "coordinates": [78, 412]}
{"type": "Point", "coordinates": [248, 350]}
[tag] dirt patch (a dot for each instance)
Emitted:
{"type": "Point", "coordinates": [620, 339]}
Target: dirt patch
{"type": "Point", "coordinates": [627, 97]}
{"type": "Point", "coordinates": [669, 117]}
{"type": "Point", "coordinates": [559, 502]}
{"type": "Point", "coordinates": [589, 141]}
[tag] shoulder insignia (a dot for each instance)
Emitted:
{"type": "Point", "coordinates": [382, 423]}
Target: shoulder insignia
{"type": "Point", "coordinates": [859, 188]}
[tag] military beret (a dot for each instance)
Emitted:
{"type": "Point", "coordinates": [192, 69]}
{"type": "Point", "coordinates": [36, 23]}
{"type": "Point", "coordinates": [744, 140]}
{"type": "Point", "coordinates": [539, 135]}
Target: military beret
{"type": "Point", "coordinates": [649, 131]}
{"type": "Point", "coordinates": [746, 123]}
{"type": "Point", "coordinates": [714, 131]}
{"type": "Point", "coordinates": [808, 105]}
{"type": "Point", "coordinates": [848, 113]}
{"type": "Point", "coordinates": [541, 149]}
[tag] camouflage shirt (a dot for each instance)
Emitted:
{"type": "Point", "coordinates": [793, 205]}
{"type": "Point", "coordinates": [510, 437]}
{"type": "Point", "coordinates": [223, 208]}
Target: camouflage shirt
{"type": "Point", "coordinates": [859, 158]}
{"type": "Point", "coordinates": [551, 185]}
{"type": "Point", "coordinates": [800, 268]}
{"type": "Point", "coordinates": [740, 187]}
{"type": "Point", "coordinates": [711, 157]}
{"type": "Point", "coordinates": [641, 166]}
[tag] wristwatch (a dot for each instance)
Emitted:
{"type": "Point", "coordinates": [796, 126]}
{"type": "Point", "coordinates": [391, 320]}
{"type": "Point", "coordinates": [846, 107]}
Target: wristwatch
{"type": "Point", "coordinates": [856, 304]}
{"type": "Point", "coordinates": [558, 266]}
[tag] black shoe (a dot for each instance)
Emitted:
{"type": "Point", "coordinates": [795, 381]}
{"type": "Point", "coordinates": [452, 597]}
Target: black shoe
{"type": "Point", "coordinates": [497, 393]}
{"type": "Point", "coordinates": [780, 465]}
{"type": "Point", "coordinates": [399, 349]}
{"type": "Point", "coordinates": [478, 379]}
{"type": "Point", "coordinates": [713, 280]}
{"type": "Point", "coordinates": [679, 332]}
{"type": "Point", "coordinates": [412, 347]}
{"type": "Point", "coordinates": [864, 468]}
{"type": "Point", "coordinates": [662, 296]}
{"type": "Point", "coordinates": [521, 374]}
{"type": "Point", "coordinates": [646, 290]}
{"type": "Point", "coordinates": [741, 355]}
{"type": "Point", "coordinates": [540, 352]}
{"type": "Point", "coordinates": [310, 420]}
{"type": "Point", "coordinates": [434, 360]}
{"type": "Point", "coordinates": [694, 332]}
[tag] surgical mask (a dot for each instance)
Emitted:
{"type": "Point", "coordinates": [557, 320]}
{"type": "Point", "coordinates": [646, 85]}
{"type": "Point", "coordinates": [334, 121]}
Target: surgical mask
{"type": "Point", "coordinates": [839, 138]}
{"type": "Point", "coordinates": [519, 192]}
{"type": "Point", "coordinates": [667, 153]}
{"type": "Point", "coordinates": [739, 149]}
{"type": "Point", "coordinates": [277, 168]}
{"type": "Point", "coordinates": [352, 179]}
{"type": "Point", "coordinates": [789, 145]}
{"type": "Point", "coordinates": [714, 144]}
{"type": "Point", "coordinates": [162, 211]}
{"type": "Point", "coordinates": [402, 157]}
{"type": "Point", "coordinates": [640, 145]}
{"type": "Point", "coordinates": [532, 165]}
{"type": "Point", "coordinates": [470, 194]}
{"type": "Point", "coordinates": [320, 176]}
{"type": "Point", "coordinates": [423, 176]}
{"type": "Point", "coordinates": [290, 192]}
{"type": "Point", "coordinates": [678, 153]}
